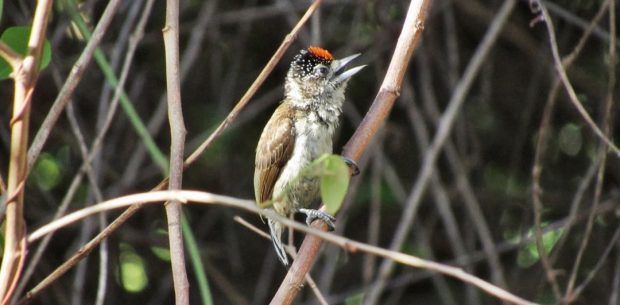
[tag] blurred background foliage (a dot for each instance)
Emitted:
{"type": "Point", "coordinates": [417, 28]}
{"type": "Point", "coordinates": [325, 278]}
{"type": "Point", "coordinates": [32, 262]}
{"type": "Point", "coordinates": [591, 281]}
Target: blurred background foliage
{"type": "Point", "coordinates": [494, 139]}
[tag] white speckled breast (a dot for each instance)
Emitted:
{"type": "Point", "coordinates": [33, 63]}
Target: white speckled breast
{"type": "Point", "coordinates": [313, 139]}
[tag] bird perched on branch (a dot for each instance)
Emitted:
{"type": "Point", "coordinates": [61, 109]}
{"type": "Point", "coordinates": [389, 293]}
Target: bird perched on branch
{"type": "Point", "coordinates": [299, 131]}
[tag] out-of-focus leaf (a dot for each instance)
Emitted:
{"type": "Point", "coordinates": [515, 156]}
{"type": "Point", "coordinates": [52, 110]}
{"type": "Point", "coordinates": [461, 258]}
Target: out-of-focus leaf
{"type": "Point", "coordinates": [355, 299]}
{"type": "Point", "coordinates": [529, 254]}
{"type": "Point", "coordinates": [162, 253]}
{"type": "Point", "coordinates": [46, 172]}
{"type": "Point", "coordinates": [133, 271]}
{"type": "Point", "coordinates": [17, 38]}
{"type": "Point", "coordinates": [570, 139]}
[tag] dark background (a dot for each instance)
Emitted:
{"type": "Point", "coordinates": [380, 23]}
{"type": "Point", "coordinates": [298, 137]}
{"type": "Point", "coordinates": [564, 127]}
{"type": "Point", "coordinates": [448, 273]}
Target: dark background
{"type": "Point", "coordinates": [494, 141]}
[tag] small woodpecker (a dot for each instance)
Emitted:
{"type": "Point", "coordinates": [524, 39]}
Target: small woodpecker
{"type": "Point", "coordinates": [299, 131]}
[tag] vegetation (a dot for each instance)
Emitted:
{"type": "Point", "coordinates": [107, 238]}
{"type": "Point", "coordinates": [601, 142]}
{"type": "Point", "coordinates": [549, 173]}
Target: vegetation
{"type": "Point", "coordinates": [498, 156]}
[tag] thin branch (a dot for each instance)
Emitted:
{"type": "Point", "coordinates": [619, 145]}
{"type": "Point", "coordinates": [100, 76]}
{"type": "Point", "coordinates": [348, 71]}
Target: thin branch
{"type": "Point", "coordinates": [75, 76]}
{"type": "Point", "coordinates": [177, 145]}
{"type": "Point", "coordinates": [249, 205]}
{"type": "Point", "coordinates": [602, 156]}
{"type": "Point", "coordinates": [12, 57]}
{"type": "Point", "coordinates": [459, 172]}
{"type": "Point", "coordinates": [271, 64]}
{"type": "Point", "coordinates": [567, 84]}
{"type": "Point", "coordinates": [540, 150]}
{"type": "Point", "coordinates": [443, 131]}
{"type": "Point", "coordinates": [599, 264]}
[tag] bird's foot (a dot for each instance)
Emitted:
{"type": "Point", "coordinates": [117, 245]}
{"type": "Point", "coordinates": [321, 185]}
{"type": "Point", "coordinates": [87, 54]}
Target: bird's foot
{"type": "Point", "coordinates": [311, 215]}
{"type": "Point", "coordinates": [355, 169]}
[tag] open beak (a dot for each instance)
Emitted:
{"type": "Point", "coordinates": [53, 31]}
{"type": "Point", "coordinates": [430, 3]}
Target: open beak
{"type": "Point", "coordinates": [340, 75]}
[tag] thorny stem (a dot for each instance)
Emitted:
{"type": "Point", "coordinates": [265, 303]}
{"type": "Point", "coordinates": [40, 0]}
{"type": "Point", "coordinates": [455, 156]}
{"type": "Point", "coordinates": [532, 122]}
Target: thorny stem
{"type": "Point", "coordinates": [25, 76]}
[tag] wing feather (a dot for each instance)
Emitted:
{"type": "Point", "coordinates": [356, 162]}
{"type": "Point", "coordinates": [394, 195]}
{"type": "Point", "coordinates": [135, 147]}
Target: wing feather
{"type": "Point", "coordinates": [274, 149]}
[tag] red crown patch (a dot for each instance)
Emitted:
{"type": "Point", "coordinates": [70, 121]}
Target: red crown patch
{"type": "Point", "coordinates": [321, 53]}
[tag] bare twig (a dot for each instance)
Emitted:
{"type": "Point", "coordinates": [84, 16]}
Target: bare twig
{"type": "Point", "coordinates": [463, 185]}
{"type": "Point", "coordinates": [255, 85]}
{"type": "Point", "coordinates": [540, 150]}
{"type": "Point", "coordinates": [249, 205]}
{"type": "Point", "coordinates": [567, 84]}
{"type": "Point", "coordinates": [72, 81]}
{"type": "Point", "coordinates": [177, 132]}
{"type": "Point", "coordinates": [11, 57]}
{"type": "Point", "coordinates": [443, 131]}
{"type": "Point", "coordinates": [602, 156]}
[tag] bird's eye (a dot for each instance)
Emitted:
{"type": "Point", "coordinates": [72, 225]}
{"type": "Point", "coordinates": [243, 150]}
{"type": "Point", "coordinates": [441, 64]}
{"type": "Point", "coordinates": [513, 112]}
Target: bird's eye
{"type": "Point", "coordinates": [321, 70]}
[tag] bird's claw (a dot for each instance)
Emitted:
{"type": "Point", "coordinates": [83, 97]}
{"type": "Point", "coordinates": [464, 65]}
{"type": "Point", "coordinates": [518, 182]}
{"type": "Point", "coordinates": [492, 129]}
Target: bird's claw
{"type": "Point", "coordinates": [355, 169]}
{"type": "Point", "coordinates": [311, 215]}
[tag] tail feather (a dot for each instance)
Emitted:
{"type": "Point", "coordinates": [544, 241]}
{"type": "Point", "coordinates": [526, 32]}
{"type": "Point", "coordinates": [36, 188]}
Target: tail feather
{"type": "Point", "coordinates": [275, 229]}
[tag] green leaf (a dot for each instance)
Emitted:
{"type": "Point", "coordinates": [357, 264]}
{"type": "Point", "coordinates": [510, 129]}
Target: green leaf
{"type": "Point", "coordinates": [47, 172]}
{"type": "Point", "coordinates": [355, 299]}
{"type": "Point", "coordinates": [162, 253]}
{"type": "Point", "coordinates": [334, 182]}
{"type": "Point", "coordinates": [133, 271]}
{"type": "Point", "coordinates": [197, 265]}
{"type": "Point", "coordinates": [17, 38]}
{"type": "Point", "coordinates": [570, 139]}
{"type": "Point", "coordinates": [1, 6]}
{"type": "Point", "coordinates": [529, 254]}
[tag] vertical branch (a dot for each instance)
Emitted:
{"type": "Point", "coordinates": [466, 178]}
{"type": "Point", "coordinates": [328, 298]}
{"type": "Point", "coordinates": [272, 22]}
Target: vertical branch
{"type": "Point", "coordinates": [570, 294]}
{"type": "Point", "coordinates": [25, 77]}
{"type": "Point", "coordinates": [177, 133]}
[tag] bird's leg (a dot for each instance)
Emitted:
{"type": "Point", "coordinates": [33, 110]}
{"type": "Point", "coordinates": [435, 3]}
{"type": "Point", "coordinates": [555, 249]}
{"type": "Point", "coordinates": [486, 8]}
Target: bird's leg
{"type": "Point", "coordinates": [275, 230]}
{"type": "Point", "coordinates": [311, 215]}
{"type": "Point", "coordinates": [355, 170]}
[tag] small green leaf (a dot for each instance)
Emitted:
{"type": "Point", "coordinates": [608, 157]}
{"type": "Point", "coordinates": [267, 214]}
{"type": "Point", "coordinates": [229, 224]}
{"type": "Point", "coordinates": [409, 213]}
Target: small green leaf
{"type": "Point", "coordinates": [570, 139]}
{"type": "Point", "coordinates": [529, 254]}
{"type": "Point", "coordinates": [17, 38]}
{"type": "Point", "coordinates": [1, 6]}
{"type": "Point", "coordinates": [355, 299]}
{"type": "Point", "coordinates": [133, 271]}
{"type": "Point", "coordinates": [46, 173]}
{"type": "Point", "coordinates": [334, 182]}
{"type": "Point", "coordinates": [162, 253]}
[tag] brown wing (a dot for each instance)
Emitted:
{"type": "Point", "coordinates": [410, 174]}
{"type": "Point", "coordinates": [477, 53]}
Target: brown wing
{"type": "Point", "coordinates": [273, 151]}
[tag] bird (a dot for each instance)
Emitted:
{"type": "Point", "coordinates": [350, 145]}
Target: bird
{"type": "Point", "coordinates": [300, 130]}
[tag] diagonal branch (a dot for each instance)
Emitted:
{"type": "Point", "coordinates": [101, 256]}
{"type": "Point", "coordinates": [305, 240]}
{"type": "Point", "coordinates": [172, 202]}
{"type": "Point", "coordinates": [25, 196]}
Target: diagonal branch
{"type": "Point", "coordinates": [390, 89]}
{"type": "Point", "coordinates": [12, 57]}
